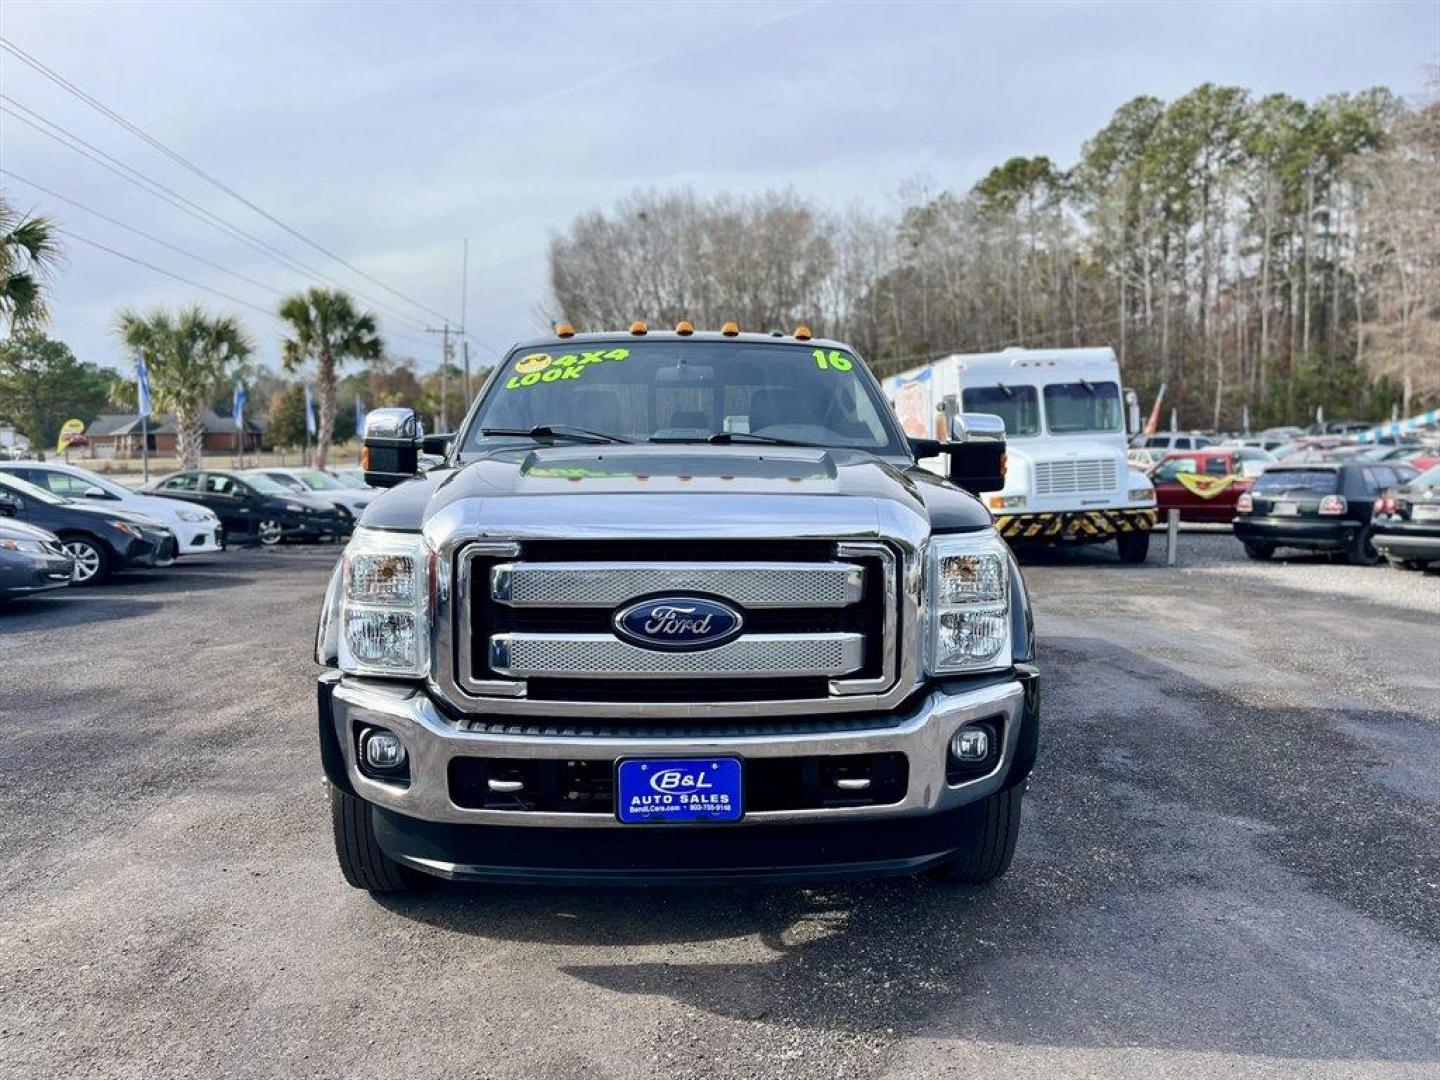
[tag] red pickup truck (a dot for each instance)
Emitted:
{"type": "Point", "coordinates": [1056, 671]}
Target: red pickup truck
{"type": "Point", "coordinates": [1203, 485]}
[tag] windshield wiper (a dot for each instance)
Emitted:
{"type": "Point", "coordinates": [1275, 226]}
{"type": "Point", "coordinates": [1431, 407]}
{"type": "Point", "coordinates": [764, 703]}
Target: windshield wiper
{"type": "Point", "coordinates": [724, 438]}
{"type": "Point", "coordinates": [557, 431]}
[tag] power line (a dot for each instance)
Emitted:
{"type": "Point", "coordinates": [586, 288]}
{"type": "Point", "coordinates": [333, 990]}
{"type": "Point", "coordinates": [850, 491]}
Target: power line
{"type": "Point", "coordinates": [178, 250]}
{"type": "Point", "coordinates": [186, 163]}
{"type": "Point", "coordinates": [141, 232]}
{"type": "Point", "coordinates": [168, 273]}
{"type": "Point", "coordinates": [188, 281]}
{"type": "Point", "coordinates": [69, 139]}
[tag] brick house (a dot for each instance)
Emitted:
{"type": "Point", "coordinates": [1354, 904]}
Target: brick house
{"type": "Point", "coordinates": [117, 435]}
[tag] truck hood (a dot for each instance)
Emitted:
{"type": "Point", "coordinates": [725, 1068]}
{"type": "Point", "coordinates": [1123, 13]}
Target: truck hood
{"type": "Point", "coordinates": [689, 490]}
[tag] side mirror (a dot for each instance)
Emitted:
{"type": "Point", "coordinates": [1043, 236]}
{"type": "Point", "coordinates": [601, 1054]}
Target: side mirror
{"type": "Point", "coordinates": [437, 445]}
{"type": "Point", "coordinates": [925, 448]}
{"type": "Point", "coordinates": [7, 508]}
{"type": "Point", "coordinates": [977, 452]}
{"type": "Point", "coordinates": [1132, 412]}
{"type": "Point", "coordinates": [391, 452]}
{"type": "Point", "coordinates": [93, 492]}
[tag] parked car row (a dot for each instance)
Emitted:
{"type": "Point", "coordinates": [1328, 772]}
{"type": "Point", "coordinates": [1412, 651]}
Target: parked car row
{"type": "Point", "coordinates": [61, 524]}
{"type": "Point", "coordinates": [1315, 492]}
{"type": "Point", "coordinates": [254, 508]}
{"type": "Point", "coordinates": [1363, 512]}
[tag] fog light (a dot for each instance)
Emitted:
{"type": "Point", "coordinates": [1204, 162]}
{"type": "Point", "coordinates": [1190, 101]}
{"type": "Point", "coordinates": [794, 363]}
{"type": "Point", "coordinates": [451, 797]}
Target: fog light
{"type": "Point", "coordinates": [970, 744]}
{"type": "Point", "coordinates": [382, 750]}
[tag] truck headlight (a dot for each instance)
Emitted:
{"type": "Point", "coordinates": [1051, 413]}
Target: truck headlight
{"type": "Point", "coordinates": [968, 601]}
{"type": "Point", "coordinates": [384, 623]}
{"type": "Point", "coordinates": [1142, 495]}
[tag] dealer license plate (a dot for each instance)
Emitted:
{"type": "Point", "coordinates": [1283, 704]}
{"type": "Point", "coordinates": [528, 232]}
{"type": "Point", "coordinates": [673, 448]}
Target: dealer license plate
{"type": "Point", "coordinates": [660, 791]}
{"type": "Point", "coordinates": [1287, 508]}
{"type": "Point", "coordinates": [1425, 513]}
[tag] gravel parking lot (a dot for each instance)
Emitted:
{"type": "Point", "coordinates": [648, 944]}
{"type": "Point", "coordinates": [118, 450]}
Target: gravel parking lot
{"type": "Point", "coordinates": [1230, 866]}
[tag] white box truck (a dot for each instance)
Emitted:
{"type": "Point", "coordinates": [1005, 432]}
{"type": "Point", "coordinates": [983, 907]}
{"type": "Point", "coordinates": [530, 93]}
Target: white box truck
{"type": "Point", "coordinates": [1066, 422]}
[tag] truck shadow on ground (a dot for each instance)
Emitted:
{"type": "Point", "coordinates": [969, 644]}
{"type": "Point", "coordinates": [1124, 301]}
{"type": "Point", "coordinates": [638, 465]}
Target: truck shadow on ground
{"type": "Point", "coordinates": [1273, 908]}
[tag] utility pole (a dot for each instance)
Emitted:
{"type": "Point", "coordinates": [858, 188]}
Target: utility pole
{"type": "Point", "coordinates": [445, 354]}
{"type": "Point", "coordinates": [465, 341]}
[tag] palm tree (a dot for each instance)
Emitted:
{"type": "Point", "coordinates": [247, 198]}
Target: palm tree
{"type": "Point", "coordinates": [28, 255]}
{"type": "Point", "coordinates": [326, 327]}
{"type": "Point", "coordinates": [191, 356]}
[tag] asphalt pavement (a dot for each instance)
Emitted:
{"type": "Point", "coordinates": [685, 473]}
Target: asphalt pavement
{"type": "Point", "coordinates": [1230, 864]}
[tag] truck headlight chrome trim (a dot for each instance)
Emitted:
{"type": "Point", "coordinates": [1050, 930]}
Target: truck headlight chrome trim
{"type": "Point", "coordinates": [968, 604]}
{"type": "Point", "coordinates": [385, 604]}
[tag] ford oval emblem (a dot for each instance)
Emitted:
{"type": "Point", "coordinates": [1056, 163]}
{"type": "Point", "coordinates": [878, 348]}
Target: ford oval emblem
{"type": "Point", "coordinates": [678, 622]}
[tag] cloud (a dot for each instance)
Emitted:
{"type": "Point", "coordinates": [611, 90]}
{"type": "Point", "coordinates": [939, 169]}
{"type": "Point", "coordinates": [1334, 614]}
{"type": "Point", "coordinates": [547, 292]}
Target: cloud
{"type": "Point", "coordinates": [389, 133]}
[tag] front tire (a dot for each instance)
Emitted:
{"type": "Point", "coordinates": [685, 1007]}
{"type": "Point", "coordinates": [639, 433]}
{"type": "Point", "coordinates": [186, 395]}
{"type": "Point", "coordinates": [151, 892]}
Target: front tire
{"type": "Point", "coordinates": [362, 861]}
{"type": "Point", "coordinates": [269, 532]}
{"type": "Point", "coordinates": [92, 560]}
{"type": "Point", "coordinates": [1133, 547]}
{"type": "Point", "coordinates": [992, 830]}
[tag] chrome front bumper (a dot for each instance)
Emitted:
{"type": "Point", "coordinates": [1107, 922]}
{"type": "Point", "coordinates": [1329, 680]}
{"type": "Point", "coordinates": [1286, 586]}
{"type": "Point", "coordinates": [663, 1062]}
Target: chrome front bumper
{"type": "Point", "coordinates": [922, 733]}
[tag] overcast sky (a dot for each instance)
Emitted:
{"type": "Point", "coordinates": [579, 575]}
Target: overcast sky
{"type": "Point", "coordinates": [389, 133]}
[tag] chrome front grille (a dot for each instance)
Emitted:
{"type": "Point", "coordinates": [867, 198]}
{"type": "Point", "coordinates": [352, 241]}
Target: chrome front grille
{"type": "Point", "coordinates": [603, 656]}
{"type": "Point", "coordinates": [609, 584]}
{"type": "Point", "coordinates": [534, 624]}
{"type": "Point", "coordinates": [1092, 475]}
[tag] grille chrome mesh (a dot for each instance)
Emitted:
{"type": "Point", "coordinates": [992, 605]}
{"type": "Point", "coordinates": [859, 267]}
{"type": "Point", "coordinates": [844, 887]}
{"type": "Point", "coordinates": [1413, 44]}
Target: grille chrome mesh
{"type": "Point", "coordinates": [756, 585]}
{"type": "Point", "coordinates": [1076, 477]}
{"type": "Point", "coordinates": [592, 656]}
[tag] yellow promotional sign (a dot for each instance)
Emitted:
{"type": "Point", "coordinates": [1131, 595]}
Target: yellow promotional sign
{"type": "Point", "coordinates": [1206, 487]}
{"type": "Point", "coordinates": [68, 431]}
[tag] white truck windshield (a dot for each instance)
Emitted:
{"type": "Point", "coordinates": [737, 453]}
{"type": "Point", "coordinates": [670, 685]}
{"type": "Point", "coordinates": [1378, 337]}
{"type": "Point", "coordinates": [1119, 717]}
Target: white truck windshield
{"type": "Point", "coordinates": [1018, 406]}
{"type": "Point", "coordinates": [1073, 408]}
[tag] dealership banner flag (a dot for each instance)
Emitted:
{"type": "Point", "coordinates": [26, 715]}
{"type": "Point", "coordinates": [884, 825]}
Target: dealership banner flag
{"type": "Point", "coordinates": [142, 386]}
{"type": "Point", "coordinates": [359, 419]}
{"type": "Point", "coordinates": [237, 406]}
{"type": "Point", "coordinates": [309, 412]}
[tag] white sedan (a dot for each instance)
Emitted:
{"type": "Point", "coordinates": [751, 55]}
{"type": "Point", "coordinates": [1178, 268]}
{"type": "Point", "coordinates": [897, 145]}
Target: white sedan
{"type": "Point", "coordinates": [321, 485]}
{"type": "Point", "coordinates": [196, 529]}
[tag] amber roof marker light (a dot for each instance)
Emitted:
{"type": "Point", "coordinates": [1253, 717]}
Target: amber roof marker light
{"type": "Point", "coordinates": [564, 330]}
{"type": "Point", "coordinates": [638, 328]}
{"type": "Point", "coordinates": [684, 328]}
{"type": "Point", "coordinates": [731, 329]}
{"type": "Point", "coordinates": [802, 333]}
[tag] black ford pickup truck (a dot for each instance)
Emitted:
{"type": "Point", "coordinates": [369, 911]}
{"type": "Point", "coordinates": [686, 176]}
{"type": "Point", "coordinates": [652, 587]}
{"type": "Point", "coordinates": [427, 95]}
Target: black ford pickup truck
{"type": "Point", "coordinates": [676, 607]}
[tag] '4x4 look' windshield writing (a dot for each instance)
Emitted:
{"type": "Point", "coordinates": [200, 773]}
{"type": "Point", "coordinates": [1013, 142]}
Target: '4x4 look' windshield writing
{"type": "Point", "coordinates": [692, 391]}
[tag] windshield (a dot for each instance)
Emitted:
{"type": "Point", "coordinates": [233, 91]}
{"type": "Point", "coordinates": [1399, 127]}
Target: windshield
{"type": "Point", "coordinates": [1429, 478]}
{"type": "Point", "coordinates": [319, 481]}
{"type": "Point", "coordinates": [1018, 406]}
{"type": "Point", "coordinates": [1169, 470]}
{"type": "Point", "coordinates": [1076, 407]}
{"type": "Point", "coordinates": [689, 391]}
{"type": "Point", "coordinates": [27, 490]}
{"type": "Point", "coordinates": [1311, 481]}
{"type": "Point", "coordinates": [265, 485]}
{"type": "Point", "coordinates": [351, 477]}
